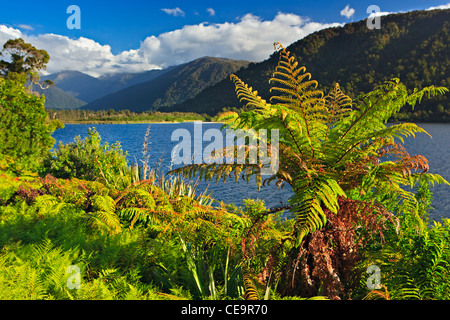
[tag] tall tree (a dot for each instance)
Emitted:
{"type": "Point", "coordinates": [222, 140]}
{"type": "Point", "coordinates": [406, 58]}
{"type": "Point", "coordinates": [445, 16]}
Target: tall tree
{"type": "Point", "coordinates": [25, 131]}
{"type": "Point", "coordinates": [23, 61]}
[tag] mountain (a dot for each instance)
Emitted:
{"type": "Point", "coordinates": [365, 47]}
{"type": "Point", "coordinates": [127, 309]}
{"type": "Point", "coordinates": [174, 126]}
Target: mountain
{"type": "Point", "coordinates": [412, 46]}
{"type": "Point", "coordinates": [79, 85]}
{"type": "Point", "coordinates": [175, 85]}
{"type": "Point", "coordinates": [55, 98]}
{"type": "Point", "coordinates": [118, 81]}
{"type": "Point", "coordinates": [87, 88]}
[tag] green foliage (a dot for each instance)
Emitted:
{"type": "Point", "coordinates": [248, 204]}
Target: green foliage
{"type": "Point", "coordinates": [137, 234]}
{"type": "Point", "coordinates": [88, 159]}
{"type": "Point", "coordinates": [103, 214]}
{"type": "Point", "coordinates": [25, 131]}
{"type": "Point", "coordinates": [414, 266]}
{"type": "Point", "coordinates": [141, 242]}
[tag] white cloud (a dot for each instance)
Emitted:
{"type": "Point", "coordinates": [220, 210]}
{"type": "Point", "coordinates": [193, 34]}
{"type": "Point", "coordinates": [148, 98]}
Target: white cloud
{"type": "Point", "coordinates": [211, 11]}
{"type": "Point", "coordinates": [444, 6]}
{"type": "Point", "coordinates": [81, 54]}
{"type": "Point", "coordinates": [25, 26]}
{"type": "Point", "coordinates": [7, 33]}
{"type": "Point", "coordinates": [249, 38]}
{"type": "Point", "coordinates": [174, 12]}
{"type": "Point", "coordinates": [347, 11]}
{"type": "Point", "coordinates": [379, 14]}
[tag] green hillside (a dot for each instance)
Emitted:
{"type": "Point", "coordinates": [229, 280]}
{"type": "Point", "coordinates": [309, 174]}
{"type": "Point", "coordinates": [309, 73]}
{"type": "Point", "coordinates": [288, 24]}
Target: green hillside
{"type": "Point", "coordinates": [55, 98]}
{"type": "Point", "coordinates": [412, 46]}
{"type": "Point", "coordinates": [174, 86]}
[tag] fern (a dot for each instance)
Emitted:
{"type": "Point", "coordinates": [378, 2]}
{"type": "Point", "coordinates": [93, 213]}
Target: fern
{"type": "Point", "coordinates": [331, 147]}
{"type": "Point", "coordinates": [103, 216]}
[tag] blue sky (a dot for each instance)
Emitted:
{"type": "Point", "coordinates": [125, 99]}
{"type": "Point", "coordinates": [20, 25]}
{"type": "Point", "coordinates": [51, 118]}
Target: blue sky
{"type": "Point", "coordinates": [135, 35]}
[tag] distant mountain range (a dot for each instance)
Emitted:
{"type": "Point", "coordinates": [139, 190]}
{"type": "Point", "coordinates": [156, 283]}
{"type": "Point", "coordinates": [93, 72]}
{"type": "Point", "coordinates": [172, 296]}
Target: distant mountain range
{"type": "Point", "coordinates": [87, 88]}
{"type": "Point", "coordinates": [412, 46]}
{"type": "Point", "coordinates": [139, 91]}
{"type": "Point", "coordinates": [173, 86]}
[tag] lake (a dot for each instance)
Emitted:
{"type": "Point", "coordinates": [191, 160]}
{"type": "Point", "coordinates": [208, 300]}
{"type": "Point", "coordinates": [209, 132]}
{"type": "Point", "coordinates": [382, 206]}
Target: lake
{"type": "Point", "coordinates": [131, 137]}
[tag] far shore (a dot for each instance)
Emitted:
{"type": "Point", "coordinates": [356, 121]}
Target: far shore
{"type": "Point", "coordinates": [131, 122]}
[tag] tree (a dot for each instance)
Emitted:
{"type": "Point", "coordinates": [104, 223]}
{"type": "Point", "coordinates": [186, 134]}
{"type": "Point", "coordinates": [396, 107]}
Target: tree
{"type": "Point", "coordinates": [25, 131]}
{"type": "Point", "coordinates": [25, 62]}
{"type": "Point", "coordinates": [332, 152]}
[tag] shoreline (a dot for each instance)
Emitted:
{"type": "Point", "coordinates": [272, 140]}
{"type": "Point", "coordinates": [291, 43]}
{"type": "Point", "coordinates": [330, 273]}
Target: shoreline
{"type": "Point", "coordinates": [187, 121]}
{"type": "Point", "coordinates": [132, 122]}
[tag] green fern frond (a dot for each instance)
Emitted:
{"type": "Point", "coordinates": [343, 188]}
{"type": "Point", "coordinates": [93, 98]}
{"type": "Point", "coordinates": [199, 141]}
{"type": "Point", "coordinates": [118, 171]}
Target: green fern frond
{"type": "Point", "coordinates": [429, 92]}
{"type": "Point", "coordinates": [299, 94]}
{"type": "Point", "coordinates": [139, 215]}
{"type": "Point", "coordinates": [228, 117]}
{"type": "Point", "coordinates": [103, 215]}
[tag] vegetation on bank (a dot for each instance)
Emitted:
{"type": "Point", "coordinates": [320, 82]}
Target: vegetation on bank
{"type": "Point", "coordinates": [123, 116]}
{"type": "Point", "coordinates": [82, 223]}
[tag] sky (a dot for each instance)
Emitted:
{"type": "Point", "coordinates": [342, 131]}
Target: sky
{"type": "Point", "coordinates": [104, 37]}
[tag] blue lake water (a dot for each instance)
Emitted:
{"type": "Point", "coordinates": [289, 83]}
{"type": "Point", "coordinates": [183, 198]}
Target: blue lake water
{"type": "Point", "coordinates": [131, 137]}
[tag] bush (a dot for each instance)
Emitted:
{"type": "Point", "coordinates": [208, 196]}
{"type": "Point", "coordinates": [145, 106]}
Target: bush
{"type": "Point", "coordinates": [87, 159]}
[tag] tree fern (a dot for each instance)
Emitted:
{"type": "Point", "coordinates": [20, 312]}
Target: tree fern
{"type": "Point", "coordinates": [330, 148]}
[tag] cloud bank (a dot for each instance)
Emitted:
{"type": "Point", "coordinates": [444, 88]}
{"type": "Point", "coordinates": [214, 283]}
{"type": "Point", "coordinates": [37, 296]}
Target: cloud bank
{"type": "Point", "coordinates": [444, 6]}
{"type": "Point", "coordinates": [250, 38]}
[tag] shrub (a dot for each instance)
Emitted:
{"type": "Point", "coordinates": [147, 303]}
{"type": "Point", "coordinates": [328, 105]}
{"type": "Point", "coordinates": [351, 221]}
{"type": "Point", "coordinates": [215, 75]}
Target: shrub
{"type": "Point", "coordinates": [88, 159]}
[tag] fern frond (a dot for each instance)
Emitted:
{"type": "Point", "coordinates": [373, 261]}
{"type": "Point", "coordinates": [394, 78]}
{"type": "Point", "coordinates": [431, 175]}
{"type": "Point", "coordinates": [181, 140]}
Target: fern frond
{"type": "Point", "coordinates": [378, 294]}
{"type": "Point", "coordinates": [139, 215]}
{"type": "Point", "coordinates": [309, 203]}
{"type": "Point", "coordinates": [298, 93]}
{"type": "Point", "coordinates": [429, 92]}
{"type": "Point", "coordinates": [246, 93]}
{"type": "Point", "coordinates": [296, 83]}
{"type": "Point", "coordinates": [227, 117]}
{"type": "Point", "coordinates": [364, 140]}
{"type": "Point", "coordinates": [250, 289]}
{"type": "Point", "coordinates": [103, 215]}
{"type": "Point", "coordinates": [337, 106]}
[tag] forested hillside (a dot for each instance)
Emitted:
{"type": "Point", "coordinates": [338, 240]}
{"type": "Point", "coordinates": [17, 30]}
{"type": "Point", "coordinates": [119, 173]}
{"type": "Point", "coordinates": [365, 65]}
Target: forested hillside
{"type": "Point", "coordinates": [411, 46]}
{"type": "Point", "coordinates": [55, 98]}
